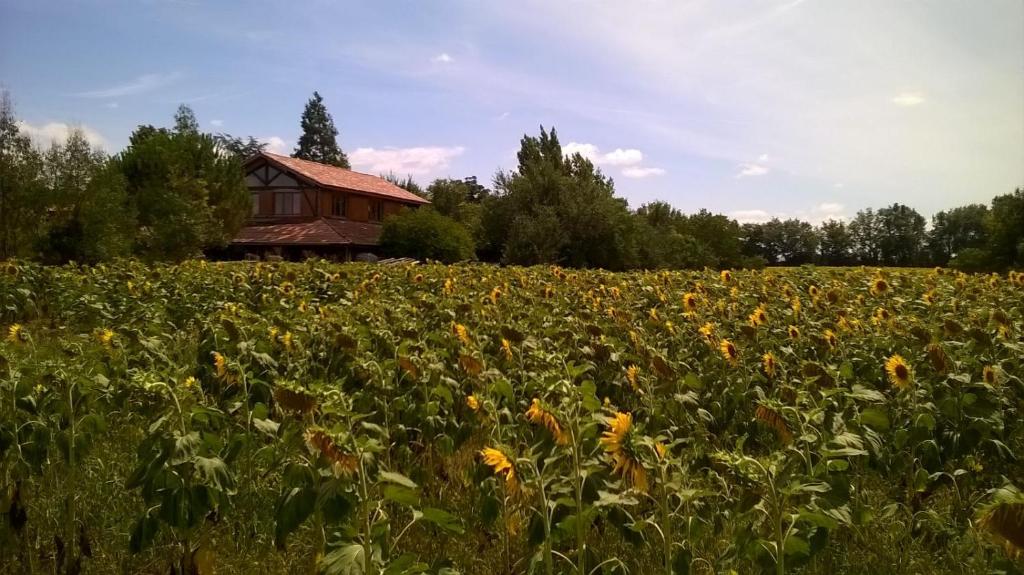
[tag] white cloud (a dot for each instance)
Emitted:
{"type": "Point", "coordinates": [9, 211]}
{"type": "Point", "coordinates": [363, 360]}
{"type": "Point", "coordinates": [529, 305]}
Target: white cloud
{"type": "Point", "coordinates": [638, 172]}
{"type": "Point", "coordinates": [629, 159]}
{"type": "Point", "coordinates": [112, 105]}
{"type": "Point", "coordinates": [403, 161]}
{"type": "Point", "coordinates": [144, 83]}
{"type": "Point", "coordinates": [908, 99]}
{"type": "Point", "coordinates": [504, 115]}
{"type": "Point", "coordinates": [275, 144]}
{"type": "Point", "coordinates": [442, 58]}
{"type": "Point", "coordinates": [620, 157]}
{"type": "Point", "coordinates": [757, 168]}
{"type": "Point", "coordinates": [57, 132]}
{"type": "Point", "coordinates": [747, 170]}
{"type": "Point", "coordinates": [217, 123]}
{"type": "Point", "coordinates": [815, 215]}
{"type": "Point", "coordinates": [750, 216]}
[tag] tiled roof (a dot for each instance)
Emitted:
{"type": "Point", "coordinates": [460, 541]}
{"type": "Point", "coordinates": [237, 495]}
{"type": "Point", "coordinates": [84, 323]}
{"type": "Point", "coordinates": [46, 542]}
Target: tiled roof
{"type": "Point", "coordinates": [332, 177]}
{"type": "Point", "coordinates": [319, 232]}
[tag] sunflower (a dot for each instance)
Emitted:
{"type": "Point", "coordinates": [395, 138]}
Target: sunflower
{"type": "Point", "coordinates": [615, 443]}
{"type": "Point", "coordinates": [899, 372]}
{"type": "Point", "coordinates": [831, 339]}
{"type": "Point", "coordinates": [775, 421]}
{"type": "Point", "coordinates": [105, 337]}
{"type": "Point", "coordinates": [500, 464]}
{"type": "Point", "coordinates": [726, 276]}
{"type": "Point", "coordinates": [729, 351]}
{"type": "Point", "coordinates": [15, 333]}
{"type": "Point", "coordinates": [632, 376]}
{"type": "Point", "coordinates": [690, 302]}
{"type": "Point", "coordinates": [879, 286]}
{"type": "Point", "coordinates": [796, 305]}
{"type": "Point", "coordinates": [506, 348]}
{"type": "Point", "coordinates": [758, 317]}
{"type": "Point", "coordinates": [989, 375]}
{"type": "Point", "coordinates": [495, 295]}
{"type": "Point", "coordinates": [473, 402]}
{"type": "Point", "coordinates": [1003, 519]}
{"type": "Point", "coordinates": [220, 364]}
{"type": "Point", "coordinates": [708, 331]}
{"type": "Point", "coordinates": [319, 442]}
{"type": "Point", "coordinates": [189, 382]}
{"type": "Point", "coordinates": [539, 415]}
{"type": "Point", "coordinates": [461, 332]}
{"type": "Point", "coordinates": [768, 361]}
{"type": "Point", "coordinates": [794, 332]}
{"type": "Point", "coordinates": [813, 290]}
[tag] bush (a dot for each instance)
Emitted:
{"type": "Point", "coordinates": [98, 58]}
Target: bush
{"type": "Point", "coordinates": [972, 260]}
{"type": "Point", "coordinates": [425, 234]}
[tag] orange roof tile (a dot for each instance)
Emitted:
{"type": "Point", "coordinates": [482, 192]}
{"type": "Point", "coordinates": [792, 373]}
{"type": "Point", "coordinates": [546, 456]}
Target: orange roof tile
{"type": "Point", "coordinates": [319, 232]}
{"type": "Point", "coordinates": [333, 177]}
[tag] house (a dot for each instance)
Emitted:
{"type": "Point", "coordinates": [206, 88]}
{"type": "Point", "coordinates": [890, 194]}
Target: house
{"type": "Point", "coordinates": [301, 207]}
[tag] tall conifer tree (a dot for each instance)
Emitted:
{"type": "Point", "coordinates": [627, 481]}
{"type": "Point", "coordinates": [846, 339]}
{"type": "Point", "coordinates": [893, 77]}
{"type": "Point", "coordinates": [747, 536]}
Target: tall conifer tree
{"type": "Point", "coordinates": [319, 141]}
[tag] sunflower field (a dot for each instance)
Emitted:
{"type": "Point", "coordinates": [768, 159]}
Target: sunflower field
{"type": "Point", "coordinates": [365, 419]}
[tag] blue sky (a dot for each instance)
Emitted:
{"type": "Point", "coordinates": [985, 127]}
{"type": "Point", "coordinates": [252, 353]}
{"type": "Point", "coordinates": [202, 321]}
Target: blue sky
{"type": "Point", "coordinates": [755, 108]}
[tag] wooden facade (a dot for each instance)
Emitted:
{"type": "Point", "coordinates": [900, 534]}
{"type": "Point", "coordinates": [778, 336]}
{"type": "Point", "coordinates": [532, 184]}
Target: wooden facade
{"type": "Point", "coordinates": [298, 205]}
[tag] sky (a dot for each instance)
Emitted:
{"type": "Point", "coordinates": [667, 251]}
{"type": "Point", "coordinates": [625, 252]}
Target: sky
{"type": "Point", "coordinates": [754, 108]}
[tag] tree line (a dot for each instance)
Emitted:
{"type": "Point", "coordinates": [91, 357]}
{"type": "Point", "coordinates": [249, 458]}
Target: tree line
{"type": "Point", "coordinates": [561, 209]}
{"type": "Point", "coordinates": [177, 192]}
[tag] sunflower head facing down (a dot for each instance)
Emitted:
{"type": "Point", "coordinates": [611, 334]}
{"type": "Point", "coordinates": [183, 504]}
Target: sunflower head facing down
{"type": "Point", "coordinates": [500, 464]}
{"type": "Point", "coordinates": [794, 332]}
{"type": "Point", "coordinates": [538, 414]}
{"type": "Point", "coordinates": [616, 443]}
{"type": "Point", "coordinates": [900, 374]}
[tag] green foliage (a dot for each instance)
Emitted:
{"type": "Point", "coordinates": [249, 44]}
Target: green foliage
{"type": "Point", "coordinates": [480, 419]}
{"type": "Point", "coordinates": [1005, 227]}
{"type": "Point", "coordinates": [21, 185]}
{"type": "Point", "coordinates": [319, 139]}
{"type": "Point", "coordinates": [186, 195]}
{"type": "Point", "coordinates": [425, 234]}
{"type": "Point", "coordinates": [556, 209]}
{"type": "Point", "coordinates": [407, 184]}
{"type": "Point", "coordinates": [955, 230]}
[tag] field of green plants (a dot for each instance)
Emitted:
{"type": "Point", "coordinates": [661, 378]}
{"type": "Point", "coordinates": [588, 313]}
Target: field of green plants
{"type": "Point", "coordinates": [365, 419]}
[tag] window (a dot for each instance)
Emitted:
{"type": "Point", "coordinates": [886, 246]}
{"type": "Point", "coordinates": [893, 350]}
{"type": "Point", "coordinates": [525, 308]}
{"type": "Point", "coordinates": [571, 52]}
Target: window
{"type": "Point", "coordinates": [255, 203]}
{"type": "Point", "coordinates": [287, 203]}
{"type": "Point", "coordinates": [376, 210]}
{"type": "Point", "coordinates": [338, 205]}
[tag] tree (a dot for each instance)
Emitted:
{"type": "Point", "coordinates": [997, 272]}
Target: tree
{"type": "Point", "coordinates": [318, 141]}
{"type": "Point", "coordinates": [461, 201]}
{"type": "Point", "coordinates": [865, 232]}
{"type": "Point", "coordinates": [68, 172]}
{"type": "Point", "coordinates": [20, 185]}
{"type": "Point", "coordinates": [835, 243]}
{"type": "Point", "coordinates": [901, 235]}
{"type": "Point", "coordinates": [956, 230]}
{"type": "Point", "coordinates": [557, 209]}
{"type": "Point", "coordinates": [425, 234]}
{"type": "Point", "coordinates": [718, 233]}
{"type": "Point", "coordinates": [185, 121]}
{"type": "Point", "coordinates": [240, 148]}
{"type": "Point", "coordinates": [408, 184]}
{"type": "Point", "coordinates": [187, 195]}
{"type": "Point", "coordinates": [1005, 227]}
